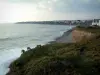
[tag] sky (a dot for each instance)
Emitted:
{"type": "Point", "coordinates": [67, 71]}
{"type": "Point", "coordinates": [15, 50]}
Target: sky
{"type": "Point", "coordinates": [42, 10]}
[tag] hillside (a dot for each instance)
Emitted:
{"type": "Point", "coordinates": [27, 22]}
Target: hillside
{"type": "Point", "coordinates": [81, 58]}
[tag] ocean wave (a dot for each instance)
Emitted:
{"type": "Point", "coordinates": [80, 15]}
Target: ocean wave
{"type": "Point", "coordinates": [11, 38]}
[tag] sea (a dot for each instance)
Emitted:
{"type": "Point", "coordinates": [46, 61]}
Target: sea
{"type": "Point", "coordinates": [15, 37]}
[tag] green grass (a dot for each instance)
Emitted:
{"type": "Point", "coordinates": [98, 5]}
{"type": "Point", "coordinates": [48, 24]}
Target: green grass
{"type": "Point", "coordinates": [95, 29]}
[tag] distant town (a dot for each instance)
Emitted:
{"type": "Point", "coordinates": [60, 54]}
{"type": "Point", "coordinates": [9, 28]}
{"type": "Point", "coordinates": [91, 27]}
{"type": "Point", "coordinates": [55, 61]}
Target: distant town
{"type": "Point", "coordinates": [65, 22]}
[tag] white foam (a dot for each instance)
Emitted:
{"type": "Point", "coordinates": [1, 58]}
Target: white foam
{"type": "Point", "coordinates": [6, 57]}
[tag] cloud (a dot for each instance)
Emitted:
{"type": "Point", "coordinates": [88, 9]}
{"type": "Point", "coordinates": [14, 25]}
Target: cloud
{"type": "Point", "coordinates": [20, 10]}
{"type": "Point", "coordinates": [78, 6]}
{"type": "Point", "coordinates": [63, 5]}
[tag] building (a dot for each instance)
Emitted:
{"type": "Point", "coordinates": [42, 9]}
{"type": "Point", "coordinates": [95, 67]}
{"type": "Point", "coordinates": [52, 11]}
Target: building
{"type": "Point", "coordinates": [96, 22]}
{"type": "Point", "coordinates": [99, 23]}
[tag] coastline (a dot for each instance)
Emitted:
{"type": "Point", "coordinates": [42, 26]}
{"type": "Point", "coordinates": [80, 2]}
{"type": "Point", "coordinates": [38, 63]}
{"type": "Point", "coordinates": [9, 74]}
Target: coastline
{"type": "Point", "coordinates": [52, 59]}
{"type": "Point", "coordinates": [65, 38]}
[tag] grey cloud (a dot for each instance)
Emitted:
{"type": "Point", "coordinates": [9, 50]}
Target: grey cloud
{"type": "Point", "coordinates": [66, 5]}
{"type": "Point", "coordinates": [77, 6]}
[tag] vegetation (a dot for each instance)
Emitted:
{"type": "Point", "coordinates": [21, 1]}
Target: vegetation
{"type": "Point", "coordinates": [93, 29]}
{"type": "Point", "coordinates": [81, 58]}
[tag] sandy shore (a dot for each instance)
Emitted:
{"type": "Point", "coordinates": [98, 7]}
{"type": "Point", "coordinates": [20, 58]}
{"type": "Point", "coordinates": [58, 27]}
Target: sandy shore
{"type": "Point", "coordinates": [65, 38]}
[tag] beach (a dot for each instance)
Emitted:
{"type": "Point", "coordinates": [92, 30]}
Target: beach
{"type": "Point", "coordinates": [66, 37]}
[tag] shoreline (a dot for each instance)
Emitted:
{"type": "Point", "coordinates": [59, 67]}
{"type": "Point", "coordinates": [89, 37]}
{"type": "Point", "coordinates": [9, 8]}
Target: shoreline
{"type": "Point", "coordinates": [66, 37]}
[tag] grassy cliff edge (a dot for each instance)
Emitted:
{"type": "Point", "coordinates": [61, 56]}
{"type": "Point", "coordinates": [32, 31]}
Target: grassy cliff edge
{"type": "Point", "coordinates": [81, 58]}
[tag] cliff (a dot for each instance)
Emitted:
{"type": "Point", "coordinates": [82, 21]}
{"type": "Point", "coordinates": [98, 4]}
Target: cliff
{"type": "Point", "coordinates": [82, 58]}
{"type": "Point", "coordinates": [79, 35]}
{"type": "Point", "coordinates": [85, 33]}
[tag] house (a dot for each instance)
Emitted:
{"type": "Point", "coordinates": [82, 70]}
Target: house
{"type": "Point", "coordinates": [96, 22]}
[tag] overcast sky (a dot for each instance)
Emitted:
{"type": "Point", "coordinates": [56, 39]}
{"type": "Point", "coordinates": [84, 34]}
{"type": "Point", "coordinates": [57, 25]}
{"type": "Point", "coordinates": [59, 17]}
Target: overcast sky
{"type": "Point", "coordinates": [35, 10]}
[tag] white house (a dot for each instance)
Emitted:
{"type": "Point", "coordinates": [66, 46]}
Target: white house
{"type": "Point", "coordinates": [99, 23]}
{"type": "Point", "coordinates": [96, 22]}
